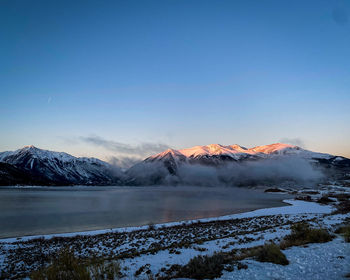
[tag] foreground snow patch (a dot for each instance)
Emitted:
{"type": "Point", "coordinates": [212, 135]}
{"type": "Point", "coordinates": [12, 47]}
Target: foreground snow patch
{"type": "Point", "coordinates": [324, 261]}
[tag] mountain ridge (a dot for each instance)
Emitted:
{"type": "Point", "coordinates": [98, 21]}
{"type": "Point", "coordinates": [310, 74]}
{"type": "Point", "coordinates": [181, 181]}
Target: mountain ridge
{"type": "Point", "coordinates": [39, 166]}
{"type": "Point", "coordinates": [232, 150]}
{"type": "Point", "coordinates": [59, 168]}
{"type": "Point", "coordinates": [227, 163]}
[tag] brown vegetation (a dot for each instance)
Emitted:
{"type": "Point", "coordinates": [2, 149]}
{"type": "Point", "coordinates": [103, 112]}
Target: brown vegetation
{"type": "Point", "coordinates": [302, 234]}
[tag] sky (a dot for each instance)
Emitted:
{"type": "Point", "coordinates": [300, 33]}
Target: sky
{"type": "Point", "coordinates": [121, 80]}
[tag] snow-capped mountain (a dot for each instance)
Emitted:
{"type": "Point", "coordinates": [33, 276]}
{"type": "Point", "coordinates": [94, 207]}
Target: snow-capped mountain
{"type": "Point", "coordinates": [61, 168]}
{"type": "Point", "coordinates": [207, 165]}
{"type": "Point", "coordinates": [272, 159]}
{"type": "Point", "coordinates": [216, 154]}
{"type": "Point", "coordinates": [237, 152]}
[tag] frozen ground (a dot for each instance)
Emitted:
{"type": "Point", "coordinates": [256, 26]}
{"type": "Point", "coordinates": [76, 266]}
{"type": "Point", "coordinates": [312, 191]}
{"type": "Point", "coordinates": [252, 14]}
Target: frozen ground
{"type": "Point", "coordinates": [329, 261]}
{"type": "Point", "coordinates": [151, 250]}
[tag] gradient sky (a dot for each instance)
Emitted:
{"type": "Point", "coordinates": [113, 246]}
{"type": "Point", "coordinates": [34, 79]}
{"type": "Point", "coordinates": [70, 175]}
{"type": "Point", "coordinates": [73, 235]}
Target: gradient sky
{"type": "Point", "coordinates": [118, 78]}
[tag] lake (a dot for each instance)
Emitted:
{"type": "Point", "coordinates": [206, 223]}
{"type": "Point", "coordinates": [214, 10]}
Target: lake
{"type": "Point", "coordinates": [45, 210]}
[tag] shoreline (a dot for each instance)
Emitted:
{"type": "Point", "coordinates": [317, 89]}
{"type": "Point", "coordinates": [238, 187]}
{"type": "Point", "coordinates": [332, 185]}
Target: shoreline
{"type": "Point", "coordinates": [292, 206]}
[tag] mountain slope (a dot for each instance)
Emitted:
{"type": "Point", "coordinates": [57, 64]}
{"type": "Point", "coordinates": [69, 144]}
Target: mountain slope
{"type": "Point", "coordinates": [216, 154]}
{"type": "Point", "coordinates": [61, 168]}
{"type": "Point", "coordinates": [11, 175]}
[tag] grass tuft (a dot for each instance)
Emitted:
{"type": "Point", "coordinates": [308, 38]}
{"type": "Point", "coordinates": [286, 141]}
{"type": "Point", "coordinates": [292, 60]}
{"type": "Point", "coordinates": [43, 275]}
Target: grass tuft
{"type": "Point", "coordinates": [271, 253]}
{"type": "Point", "coordinates": [203, 267]}
{"type": "Point", "coordinates": [302, 234]}
{"type": "Point", "coordinates": [67, 267]}
{"type": "Point", "coordinates": [343, 207]}
{"type": "Point", "coordinates": [345, 231]}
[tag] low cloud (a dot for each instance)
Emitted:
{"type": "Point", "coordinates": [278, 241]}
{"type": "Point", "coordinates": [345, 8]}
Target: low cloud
{"type": "Point", "coordinates": [123, 162]}
{"type": "Point", "coordinates": [125, 155]}
{"type": "Point", "coordinates": [293, 141]}
{"type": "Point", "coordinates": [281, 171]}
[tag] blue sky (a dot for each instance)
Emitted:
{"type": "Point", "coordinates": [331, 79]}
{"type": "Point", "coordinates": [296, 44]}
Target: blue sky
{"type": "Point", "coordinates": [176, 73]}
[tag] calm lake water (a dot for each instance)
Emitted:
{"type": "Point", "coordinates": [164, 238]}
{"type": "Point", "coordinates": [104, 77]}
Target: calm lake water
{"type": "Point", "coordinates": [44, 210]}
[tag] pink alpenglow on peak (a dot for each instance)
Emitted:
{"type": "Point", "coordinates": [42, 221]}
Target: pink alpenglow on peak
{"type": "Point", "coordinates": [236, 151]}
{"type": "Point", "coordinates": [273, 148]}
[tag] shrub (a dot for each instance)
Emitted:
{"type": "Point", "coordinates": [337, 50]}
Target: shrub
{"type": "Point", "coordinates": [343, 207]}
{"type": "Point", "coordinates": [203, 267]}
{"type": "Point", "coordinates": [271, 253]}
{"type": "Point", "coordinates": [65, 267]}
{"type": "Point", "coordinates": [303, 234]}
{"type": "Point", "coordinates": [324, 200]}
{"type": "Point", "coordinates": [341, 196]}
{"type": "Point", "coordinates": [345, 231]}
{"type": "Point", "coordinates": [151, 226]}
{"type": "Point", "coordinates": [105, 271]}
{"type": "Point", "coordinates": [304, 197]}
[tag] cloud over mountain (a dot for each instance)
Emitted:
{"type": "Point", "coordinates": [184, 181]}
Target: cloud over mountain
{"type": "Point", "coordinates": [141, 150]}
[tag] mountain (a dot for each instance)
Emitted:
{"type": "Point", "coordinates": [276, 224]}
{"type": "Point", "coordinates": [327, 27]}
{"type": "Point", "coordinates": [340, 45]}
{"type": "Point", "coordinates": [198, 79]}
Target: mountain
{"type": "Point", "coordinates": [216, 154]}
{"type": "Point", "coordinates": [11, 175]}
{"type": "Point", "coordinates": [200, 165]}
{"type": "Point", "coordinates": [232, 163]}
{"type": "Point", "coordinates": [56, 168]}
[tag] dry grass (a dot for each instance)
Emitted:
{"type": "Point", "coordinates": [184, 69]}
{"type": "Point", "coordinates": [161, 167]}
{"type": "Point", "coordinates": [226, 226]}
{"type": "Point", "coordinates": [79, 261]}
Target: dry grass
{"type": "Point", "coordinates": [271, 253]}
{"type": "Point", "coordinates": [210, 267]}
{"type": "Point", "coordinates": [67, 267]}
{"type": "Point", "coordinates": [203, 267]}
{"type": "Point", "coordinates": [343, 207]}
{"type": "Point", "coordinates": [345, 231]}
{"type": "Point", "coordinates": [302, 234]}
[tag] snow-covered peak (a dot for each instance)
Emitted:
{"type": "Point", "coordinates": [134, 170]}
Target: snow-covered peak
{"type": "Point", "coordinates": [237, 152]}
{"type": "Point", "coordinates": [238, 148]}
{"type": "Point", "coordinates": [35, 152]}
{"type": "Point", "coordinates": [274, 148]}
{"type": "Point", "coordinates": [217, 149]}
{"type": "Point", "coordinates": [29, 147]}
{"type": "Point", "coordinates": [166, 153]}
{"type": "Point", "coordinates": [43, 154]}
{"type": "Point", "coordinates": [210, 150]}
{"type": "Point", "coordinates": [59, 167]}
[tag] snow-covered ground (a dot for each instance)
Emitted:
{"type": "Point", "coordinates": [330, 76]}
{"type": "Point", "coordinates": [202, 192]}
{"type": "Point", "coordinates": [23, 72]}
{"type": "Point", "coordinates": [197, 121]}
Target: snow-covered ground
{"type": "Point", "coordinates": [329, 261]}
{"type": "Point", "coordinates": [157, 248]}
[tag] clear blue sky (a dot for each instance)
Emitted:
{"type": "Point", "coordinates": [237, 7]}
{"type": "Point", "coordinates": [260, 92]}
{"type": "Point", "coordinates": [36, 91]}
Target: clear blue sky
{"type": "Point", "coordinates": [178, 73]}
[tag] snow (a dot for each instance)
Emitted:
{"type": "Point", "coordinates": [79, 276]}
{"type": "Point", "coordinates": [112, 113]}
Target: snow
{"type": "Point", "coordinates": [45, 154]}
{"type": "Point", "coordinates": [236, 151]}
{"type": "Point", "coordinates": [318, 261]}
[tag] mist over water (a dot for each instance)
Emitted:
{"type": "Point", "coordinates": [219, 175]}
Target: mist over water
{"type": "Point", "coordinates": [44, 210]}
